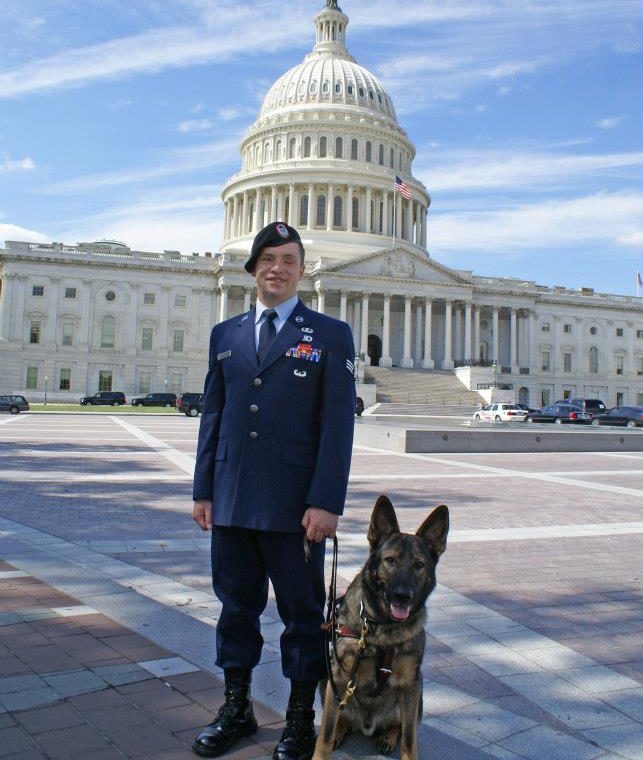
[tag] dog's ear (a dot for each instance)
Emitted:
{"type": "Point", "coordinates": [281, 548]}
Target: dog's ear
{"type": "Point", "coordinates": [434, 529]}
{"type": "Point", "coordinates": [383, 522]}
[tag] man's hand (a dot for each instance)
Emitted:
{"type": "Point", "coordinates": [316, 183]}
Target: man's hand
{"type": "Point", "coordinates": [202, 514]}
{"type": "Point", "coordinates": [319, 524]}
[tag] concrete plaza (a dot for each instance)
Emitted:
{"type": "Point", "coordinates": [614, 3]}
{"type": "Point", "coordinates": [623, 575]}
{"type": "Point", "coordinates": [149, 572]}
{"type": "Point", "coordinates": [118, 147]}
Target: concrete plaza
{"type": "Point", "coordinates": [534, 635]}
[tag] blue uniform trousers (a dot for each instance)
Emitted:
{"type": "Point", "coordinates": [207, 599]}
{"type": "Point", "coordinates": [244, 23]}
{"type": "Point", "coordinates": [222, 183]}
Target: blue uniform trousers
{"type": "Point", "coordinates": [243, 560]}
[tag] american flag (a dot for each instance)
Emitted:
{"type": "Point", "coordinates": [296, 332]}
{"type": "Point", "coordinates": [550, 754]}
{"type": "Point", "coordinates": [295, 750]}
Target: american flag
{"type": "Point", "coordinates": [639, 281]}
{"type": "Point", "coordinates": [402, 187]}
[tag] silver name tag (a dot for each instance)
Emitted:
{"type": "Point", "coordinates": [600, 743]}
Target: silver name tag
{"type": "Point", "coordinates": [224, 355]}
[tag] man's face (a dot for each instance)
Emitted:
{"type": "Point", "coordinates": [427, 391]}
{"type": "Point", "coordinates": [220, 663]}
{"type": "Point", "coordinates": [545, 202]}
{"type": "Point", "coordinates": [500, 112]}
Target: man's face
{"type": "Point", "coordinates": [278, 272]}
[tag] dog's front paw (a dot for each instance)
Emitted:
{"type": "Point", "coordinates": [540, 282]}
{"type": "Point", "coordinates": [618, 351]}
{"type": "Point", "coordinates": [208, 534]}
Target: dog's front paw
{"type": "Point", "coordinates": [386, 741]}
{"type": "Point", "coordinates": [341, 732]}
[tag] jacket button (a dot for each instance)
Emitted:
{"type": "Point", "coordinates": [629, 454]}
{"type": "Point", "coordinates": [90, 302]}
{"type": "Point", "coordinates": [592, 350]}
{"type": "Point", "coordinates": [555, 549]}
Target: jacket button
{"type": "Point", "coordinates": [254, 435]}
{"type": "Point", "coordinates": [257, 382]}
{"type": "Point", "coordinates": [254, 408]}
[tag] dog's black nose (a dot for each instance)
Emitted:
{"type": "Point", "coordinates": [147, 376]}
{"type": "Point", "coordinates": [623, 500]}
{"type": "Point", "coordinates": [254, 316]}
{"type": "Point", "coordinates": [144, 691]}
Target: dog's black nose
{"type": "Point", "coordinates": [403, 597]}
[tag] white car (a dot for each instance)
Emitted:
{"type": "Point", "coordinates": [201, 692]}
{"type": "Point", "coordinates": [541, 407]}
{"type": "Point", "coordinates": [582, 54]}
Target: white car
{"type": "Point", "coordinates": [500, 413]}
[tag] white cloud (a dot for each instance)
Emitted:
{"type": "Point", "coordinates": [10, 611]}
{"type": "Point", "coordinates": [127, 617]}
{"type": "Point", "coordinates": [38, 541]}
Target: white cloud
{"type": "Point", "coordinates": [195, 125]}
{"type": "Point", "coordinates": [15, 232]}
{"type": "Point", "coordinates": [554, 224]}
{"type": "Point", "coordinates": [610, 122]}
{"type": "Point", "coordinates": [504, 90]}
{"type": "Point", "coordinates": [634, 239]}
{"type": "Point", "coordinates": [22, 165]}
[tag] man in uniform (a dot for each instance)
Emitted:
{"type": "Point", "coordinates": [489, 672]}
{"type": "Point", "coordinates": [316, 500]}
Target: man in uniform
{"type": "Point", "coordinates": [270, 482]}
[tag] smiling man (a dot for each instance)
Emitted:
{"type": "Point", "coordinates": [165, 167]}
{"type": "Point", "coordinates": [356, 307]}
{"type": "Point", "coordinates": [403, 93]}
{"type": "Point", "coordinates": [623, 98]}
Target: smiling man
{"type": "Point", "coordinates": [270, 482]}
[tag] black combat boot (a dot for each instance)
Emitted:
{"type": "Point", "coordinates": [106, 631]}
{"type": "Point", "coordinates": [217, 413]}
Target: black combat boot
{"type": "Point", "coordinates": [234, 720]}
{"type": "Point", "coordinates": [298, 739]}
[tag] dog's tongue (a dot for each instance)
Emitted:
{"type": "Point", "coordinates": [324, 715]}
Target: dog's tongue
{"type": "Point", "coordinates": [399, 613]}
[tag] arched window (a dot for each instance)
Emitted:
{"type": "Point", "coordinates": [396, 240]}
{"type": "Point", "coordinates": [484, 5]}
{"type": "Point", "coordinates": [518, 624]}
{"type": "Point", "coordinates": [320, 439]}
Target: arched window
{"type": "Point", "coordinates": [354, 147]}
{"type": "Point", "coordinates": [339, 148]}
{"type": "Point", "coordinates": [350, 89]}
{"type": "Point", "coordinates": [323, 147]}
{"type": "Point", "coordinates": [307, 144]}
{"type": "Point", "coordinates": [108, 332]}
{"type": "Point", "coordinates": [326, 87]}
{"type": "Point", "coordinates": [291, 147]}
{"type": "Point", "coordinates": [593, 360]}
{"type": "Point", "coordinates": [369, 151]}
{"type": "Point", "coordinates": [381, 155]}
{"type": "Point", "coordinates": [278, 151]}
{"type": "Point", "coordinates": [361, 92]}
{"type": "Point", "coordinates": [392, 161]}
{"type": "Point", "coordinates": [303, 210]}
{"type": "Point", "coordinates": [313, 87]}
{"type": "Point", "coordinates": [338, 211]}
{"type": "Point", "coordinates": [321, 210]}
{"type": "Point", "coordinates": [355, 213]}
{"type": "Point", "coordinates": [338, 87]}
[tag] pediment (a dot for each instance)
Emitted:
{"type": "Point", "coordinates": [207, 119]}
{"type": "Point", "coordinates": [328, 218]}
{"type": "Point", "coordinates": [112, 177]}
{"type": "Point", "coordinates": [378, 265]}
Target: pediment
{"type": "Point", "coordinates": [399, 264]}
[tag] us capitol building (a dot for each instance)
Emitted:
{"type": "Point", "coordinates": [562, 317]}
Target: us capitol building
{"type": "Point", "coordinates": [322, 155]}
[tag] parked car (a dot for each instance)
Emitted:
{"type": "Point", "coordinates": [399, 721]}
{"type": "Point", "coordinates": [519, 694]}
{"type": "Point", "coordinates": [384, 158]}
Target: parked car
{"type": "Point", "coordinates": [560, 414]}
{"type": "Point", "coordinates": [359, 406]}
{"type": "Point", "coordinates": [104, 398]}
{"type": "Point", "coordinates": [190, 404]}
{"type": "Point", "coordinates": [500, 413]}
{"type": "Point", "coordinates": [155, 399]}
{"type": "Point", "coordinates": [630, 416]}
{"type": "Point", "coordinates": [13, 404]}
{"type": "Point", "coordinates": [591, 405]}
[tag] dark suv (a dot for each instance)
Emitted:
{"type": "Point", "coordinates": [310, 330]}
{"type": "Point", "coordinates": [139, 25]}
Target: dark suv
{"type": "Point", "coordinates": [14, 404]}
{"type": "Point", "coordinates": [190, 404]}
{"type": "Point", "coordinates": [155, 399]}
{"type": "Point", "coordinates": [592, 406]}
{"type": "Point", "coordinates": [104, 398]}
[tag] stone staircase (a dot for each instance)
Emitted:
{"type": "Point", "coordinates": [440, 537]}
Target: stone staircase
{"type": "Point", "coordinates": [437, 391]}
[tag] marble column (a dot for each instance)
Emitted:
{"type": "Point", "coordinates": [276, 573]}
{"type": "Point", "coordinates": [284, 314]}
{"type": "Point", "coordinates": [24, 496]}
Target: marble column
{"type": "Point", "coordinates": [349, 208]}
{"type": "Point", "coordinates": [292, 212]}
{"type": "Point", "coordinates": [427, 361]}
{"type": "Point", "coordinates": [321, 300]}
{"type": "Point", "coordinates": [310, 222]}
{"type": "Point", "coordinates": [409, 220]}
{"type": "Point", "coordinates": [496, 337]}
{"type": "Point", "coordinates": [368, 217]}
{"type": "Point", "coordinates": [247, 298]}
{"type": "Point", "coordinates": [343, 304]}
{"type": "Point", "coordinates": [407, 361]}
{"type": "Point", "coordinates": [385, 215]}
{"type": "Point", "coordinates": [357, 325]}
{"type": "Point", "coordinates": [417, 351]}
{"type": "Point", "coordinates": [330, 207]}
{"type": "Point", "coordinates": [364, 340]}
{"type": "Point", "coordinates": [457, 339]}
{"type": "Point", "coordinates": [398, 215]}
{"type": "Point", "coordinates": [242, 225]}
{"type": "Point", "coordinates": [223, 302]}
{"type": "Point", "coordinates": [447, 362]}
{"type": "Point", "coordinates": [257, 220]}
{"type": "Point", "coordinates": [467, 332]}
{"type": "Point", "coordinates": [476, 334]}
{"type": "Point", "coordinates": [386, 360]}
{"type": "Point", "coordinates": [513, 342]}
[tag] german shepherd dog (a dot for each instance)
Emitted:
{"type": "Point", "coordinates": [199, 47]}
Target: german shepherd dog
{"type": "Point", "coordinates": [375, 684]}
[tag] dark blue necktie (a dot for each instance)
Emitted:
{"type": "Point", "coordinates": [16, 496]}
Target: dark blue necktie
{"type": "Point", "coordinates": [267, 334]}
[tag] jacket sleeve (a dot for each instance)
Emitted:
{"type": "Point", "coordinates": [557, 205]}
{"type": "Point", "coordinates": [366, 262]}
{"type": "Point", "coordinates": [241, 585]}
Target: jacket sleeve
{"type": "Point", "coordinates": [330, 477]}
{"type": "Point", "coordinates": [211, 410]}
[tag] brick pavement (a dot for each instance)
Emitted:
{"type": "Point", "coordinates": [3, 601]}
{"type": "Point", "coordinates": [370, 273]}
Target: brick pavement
{"type": "Point", "coordinates": [75, 684]}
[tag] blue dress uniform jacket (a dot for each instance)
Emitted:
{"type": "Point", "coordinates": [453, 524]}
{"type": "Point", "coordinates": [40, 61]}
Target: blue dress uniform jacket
{"type": "Point", "coordinates": [276, 437]}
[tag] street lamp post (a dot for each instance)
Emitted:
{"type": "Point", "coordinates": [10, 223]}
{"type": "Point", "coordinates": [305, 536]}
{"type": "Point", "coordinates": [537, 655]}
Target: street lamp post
{"type": "Point", "coordinates": [166, 384]}
{"type": "Point", "coordinates": [46, 381]}
{"type": "Point", "coordinates": [494, 367]}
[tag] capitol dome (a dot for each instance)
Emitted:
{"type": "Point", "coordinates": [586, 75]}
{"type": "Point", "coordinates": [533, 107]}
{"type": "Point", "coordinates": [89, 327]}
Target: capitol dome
{"type": "Point", "coordinates": [323, 156]}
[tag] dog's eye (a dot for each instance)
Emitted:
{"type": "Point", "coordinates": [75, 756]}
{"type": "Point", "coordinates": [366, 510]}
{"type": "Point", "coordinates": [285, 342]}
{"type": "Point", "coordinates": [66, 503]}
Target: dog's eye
{"type": "Point", "coordinates": [389, 561]}
{"type": "Point", "coordinates": [419, 565]}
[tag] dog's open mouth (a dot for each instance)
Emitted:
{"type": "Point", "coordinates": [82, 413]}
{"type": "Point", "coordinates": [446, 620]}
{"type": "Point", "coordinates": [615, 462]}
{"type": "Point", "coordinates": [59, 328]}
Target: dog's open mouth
{"type": "Point", "coordinates": [399, 612]}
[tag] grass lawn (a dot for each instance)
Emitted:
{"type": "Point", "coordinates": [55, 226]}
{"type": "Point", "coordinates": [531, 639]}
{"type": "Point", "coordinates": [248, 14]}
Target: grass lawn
{"type": "Point", "coordinates": [125, 409]}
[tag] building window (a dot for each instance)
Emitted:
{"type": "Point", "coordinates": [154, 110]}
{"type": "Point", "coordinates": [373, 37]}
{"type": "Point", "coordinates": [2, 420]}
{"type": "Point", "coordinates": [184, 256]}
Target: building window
{"type": "Point", "coordinates": [639, 333]}
{"type": "Point", "coordinates": [545, 327]}
{"type": "Point", "coordinates": [105, 380]}
{"type": "Point", "coordinates": [65, 380]}
{"type": "Point", "coordinates": [545, 361]}
{"type": "Point", "coordinates": [179, 340]}
{"type": "Point", "coordinates": [592, 331]}
{"type": "Point", "coordinates": [338, 211]}
{"type": "Point", "coordinates": [70, 292]}
{"type": "Point", "coordinates": [361, 92]}
{"type": "Point", "coordinates": [38, 290]}
{"type": "Point", "coordinates": [354, 148]}
{"type": "Point", "coordinates": [34, 332]}
{"type": "Point", "coordinates": [593, 360]}
{"type": "Point", "coordinates": [291, 147]}
{"type": "Point", "coordinates": [620, 365]}
{"type": "Point", "coordinates": [567, 362]}
{"type": "Point", "coordinates": [619, 332]}
{"type": "Point", "coordinates": [339, 148]}
{"type": "Point", "coordinates": [381, 155]}
{"type": "Point", "coordinates": [369, 151]}
{"type": "Point", "coordinates": [144, 382]}
{"type": "Point", "coordinates": [278, 151]}
{"type": "Point", "coordinates": [545, 396]}
{"type": "Point", "coordinates": [147, 338]}
{"type": "Point", "coordinates": [620, 398]}
{"type": "Point", "coordinates": [180, 301]}
{"type": "Point", "coordinates": [392, 159]}
{"type": "Point", "coordinates": [355, 213]}
{"type": "Point", "coordinates": [110, 296]}
{"type": "Point", "coordinates": [307, 144]}
{"type": "Point", "coordinates": [639, 399]}
{"type": "Point", "coordinates": [303, 210]}
{"type": "Point", "coordinates": [321, 211]}
{"type": "Point", "coordinates": [350, 89]}
{"type": "Point", "coordinates": [149, 299]}
{"type": "Point", "coordinates": [567, 328]}
{"type": "Point", "coordinates": [108, 333]}
{"type": "Point", "coordinates": [176, 383]}
{"type": "Point", "coordinates": [32, 378]}
{"type": "Point", "coordinates": [639, 370]}
{"type": "Point", "coordinates": [323, 147]}
{"type": "Point", "coordinates": [68, 333]}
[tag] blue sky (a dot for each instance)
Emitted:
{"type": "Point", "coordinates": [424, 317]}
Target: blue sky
{"type": "Point", "coordinates": [122, 118]}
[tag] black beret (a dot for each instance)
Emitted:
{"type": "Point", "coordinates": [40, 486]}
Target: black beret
{"type": "Point", "coordinates": [272, 236]}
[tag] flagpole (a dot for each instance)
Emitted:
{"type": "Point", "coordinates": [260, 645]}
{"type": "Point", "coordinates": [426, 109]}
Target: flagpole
{"type": "Point", "coordinates": [394, 209]}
